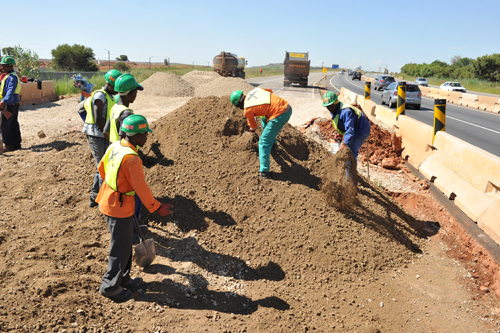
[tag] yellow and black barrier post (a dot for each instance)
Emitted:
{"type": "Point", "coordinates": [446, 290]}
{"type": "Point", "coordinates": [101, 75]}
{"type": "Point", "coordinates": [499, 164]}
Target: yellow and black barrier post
{"type": "Point", "coordinates": [439, 117]}
{"type": "Point", "coordinates": [401, 98]}
{"type": "Point", "coordinates": [368, 87]}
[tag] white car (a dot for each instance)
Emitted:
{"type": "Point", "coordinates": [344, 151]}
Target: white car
{"type": "Point", "coordinates": [452, 86]}
{"type": "Point", "coordinates": [421, 81]}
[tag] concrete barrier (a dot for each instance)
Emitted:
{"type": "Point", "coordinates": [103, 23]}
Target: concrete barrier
{"type": "Point", "coordinates": [417, 140]}
{"type": "Point", "coordinates": [425, 90]}
{"type": "Point", "coordinates": [434, 93]}
{"type": "Point", "coordinates": [486, 103]}
{"type": "Point", "coordinates": [454, 97]}
{"type": "Point", "coordinates": [496, 109]}
{"type": "Point", "coordinates": [468, 99]}
{"type": "Point", "coordinates": [385, 115]}
{"type": "Point", "coordinates": [470, 176]}
{"type": "Point", "coordinates": [342, 93]}
{"type": "Point", "coordinates": [360, 99]}
{"type": "Point", "coordinates": [443, 94]}
{"type": "Point", "coordinates": [31, 95]}
{"type": "Point", "coordinates": [369, 107]}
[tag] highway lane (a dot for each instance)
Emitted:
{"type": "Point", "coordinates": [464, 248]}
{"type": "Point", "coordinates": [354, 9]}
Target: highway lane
{"type": "Point", "coordinates": [276, 83]}
{"type": "Point", "coordinates": [479, 128]}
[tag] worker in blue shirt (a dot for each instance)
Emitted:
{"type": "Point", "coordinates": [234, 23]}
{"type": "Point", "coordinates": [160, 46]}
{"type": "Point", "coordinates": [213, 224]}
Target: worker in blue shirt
{"type": "Point", "coordinates": [349, 121]}
{"type": "Point", "coordinates": [10, 87]}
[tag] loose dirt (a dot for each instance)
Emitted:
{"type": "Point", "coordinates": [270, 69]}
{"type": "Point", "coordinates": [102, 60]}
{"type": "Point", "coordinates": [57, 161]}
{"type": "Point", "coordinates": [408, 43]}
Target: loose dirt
{"type": "Point", "coordinates": [239, 254]}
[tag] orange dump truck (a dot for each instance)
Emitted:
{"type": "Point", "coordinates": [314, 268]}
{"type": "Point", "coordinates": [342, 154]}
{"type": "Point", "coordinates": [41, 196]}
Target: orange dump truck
{"type": "Point", "coordinates": [296, 67]}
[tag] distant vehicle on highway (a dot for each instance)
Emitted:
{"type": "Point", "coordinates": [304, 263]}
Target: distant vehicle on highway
{"type": "Point", "coordinates": [421, 81]}
{"type": "Point", "coordinates": [452, 86]}
{"type": "Point", "coordinates": [383, 81]}
{"type": "Point", "coordinates": [342, 72]}
{"type": "Point", "coordinates": [413, 95]}
{"type": "Point", "coordinates": [350, 73]}
{"type": "Point", "coordinates": [356, 75]}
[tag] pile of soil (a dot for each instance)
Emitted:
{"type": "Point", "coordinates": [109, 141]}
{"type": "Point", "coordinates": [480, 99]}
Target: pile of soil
{"type": "Point", "coordinates": [222, 86]}
{"type": "Point", "coordinates": [198, 78]}
{"type": "Point", "coordinates": [166, 85]}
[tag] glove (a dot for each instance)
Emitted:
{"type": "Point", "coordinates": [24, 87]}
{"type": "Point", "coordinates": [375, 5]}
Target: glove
{"type": "Point", "coordinates": [164, 209]}
{"type": "Point", "coordinates": [338, 137]}
{"type": "Point", "coordinates": [252, 130]}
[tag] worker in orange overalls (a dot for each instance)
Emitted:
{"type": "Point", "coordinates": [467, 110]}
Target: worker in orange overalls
{"type": "Point", "coordinates": [121, 169]}
{"type": "Point", "coordinates": [261, 71]}
{"type": "Point", "coordinates": [274, 112]}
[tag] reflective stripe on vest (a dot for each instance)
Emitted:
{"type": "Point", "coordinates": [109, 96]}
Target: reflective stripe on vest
{"type": "Point", "coordinates": [89, 103]}
{"type": "Point", "coordinates": [18, 86]}
{"type": "Point", "coordinates": [112, 161]}
{"type": "Point", "coordinates": [335, 121]}
{"type": "Point", "coordinates": [116, 112]}
{"type": "Point", "coordinates": [257, 96]}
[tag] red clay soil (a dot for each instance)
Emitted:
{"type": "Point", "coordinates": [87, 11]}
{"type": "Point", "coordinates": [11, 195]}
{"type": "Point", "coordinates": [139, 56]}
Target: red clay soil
{"type": "Point", "coordinates": [239, 254]}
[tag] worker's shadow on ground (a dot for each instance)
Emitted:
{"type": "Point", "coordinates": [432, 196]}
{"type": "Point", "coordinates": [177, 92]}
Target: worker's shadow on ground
{"type": "Point", "coordinates": [292, 171]}
{"type": "Point", "coordinates": [189, 216]}
{"type": "Point", "coordinates": [154, 156]}
{"type": "Point", "coordinates": [190, 291]}
{"type": "Point", "coordinates": [189, 250]}
{"type": "Point", "coordinates": [385, 222]}
{"type": "Point", "coordinates": [29, 108]}
{"type": "Point", "coordinates": [57, 145]}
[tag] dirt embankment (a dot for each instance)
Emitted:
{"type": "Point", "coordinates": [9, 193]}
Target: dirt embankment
{"type": "Point", "coordinates": [240, 254]}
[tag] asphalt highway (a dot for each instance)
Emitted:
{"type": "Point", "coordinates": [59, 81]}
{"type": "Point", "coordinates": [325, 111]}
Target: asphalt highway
{"type": "Point", "coordinates": [479, 128]}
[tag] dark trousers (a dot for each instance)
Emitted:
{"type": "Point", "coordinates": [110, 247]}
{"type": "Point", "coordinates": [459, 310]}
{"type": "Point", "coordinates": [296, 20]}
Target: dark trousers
{"type": "Point", "coordinates": [11, 133]}
{"type": "Point", "coordinates": [120, 255]}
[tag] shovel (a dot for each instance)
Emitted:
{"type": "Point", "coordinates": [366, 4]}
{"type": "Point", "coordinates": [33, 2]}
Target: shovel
{"type": "Point", "coordinates": [144, 252]}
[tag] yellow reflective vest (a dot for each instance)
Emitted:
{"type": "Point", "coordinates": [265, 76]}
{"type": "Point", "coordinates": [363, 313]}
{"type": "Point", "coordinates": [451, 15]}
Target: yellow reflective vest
{"type": "Point", "coordinates": [89, 106]}
{"type": "Point", "coordinates": [2, 85]}
{"type": "Point", "coordinates": [257, 96]}
{"type": "Point", "coordinates": [112, 161]}
{"type": "Point", "coordinates": [335, 121]}
{"type": "Point", "coordinates": [116, 112]}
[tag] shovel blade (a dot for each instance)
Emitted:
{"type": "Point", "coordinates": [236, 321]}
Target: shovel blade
{"type": "Point", "coordinates": [144, 253]}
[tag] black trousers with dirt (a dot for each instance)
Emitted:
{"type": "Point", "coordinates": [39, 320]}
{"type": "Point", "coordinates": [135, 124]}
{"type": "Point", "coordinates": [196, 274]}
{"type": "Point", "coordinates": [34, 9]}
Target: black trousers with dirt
{"type": "Point", "coordinates": [11, 132]}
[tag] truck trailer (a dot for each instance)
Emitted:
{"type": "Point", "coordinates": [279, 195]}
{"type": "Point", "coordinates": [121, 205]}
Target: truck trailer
{"type": "Point", "coordinates": [229, 64]}
{"type": "Point", "coordinates": [296, 67]}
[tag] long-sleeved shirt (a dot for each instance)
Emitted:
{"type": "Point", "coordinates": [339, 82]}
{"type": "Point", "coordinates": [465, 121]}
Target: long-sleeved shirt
{"type": "Point", "coordinates": [351, 124]}
{"type": "Point", "coordinates": [277, 107]}
{"type": "Point", "coordinates": [130, 178]}
{"type": "Point", "coordinates": [9, 98]}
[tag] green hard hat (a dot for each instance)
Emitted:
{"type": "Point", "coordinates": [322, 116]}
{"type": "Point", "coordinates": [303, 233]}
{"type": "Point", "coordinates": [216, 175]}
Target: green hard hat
{"type": "Point", "coordinates": [236, 96]}
{"type": "Point", "coordinates": [126, 82]}
{"type": "Point", "coordinates": [7, 60]}
{"type": "Point", "coordinates": [330, 98]}
{"type": "Point", "coordinates": [111, 76]}
{"type": "Point", "coordinates": [135, 123]}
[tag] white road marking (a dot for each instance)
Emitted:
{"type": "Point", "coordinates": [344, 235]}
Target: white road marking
{"type": "Point", "coordinates": [462, 121]}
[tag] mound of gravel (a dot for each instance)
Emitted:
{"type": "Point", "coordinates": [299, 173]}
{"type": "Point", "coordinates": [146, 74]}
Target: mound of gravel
{"type": "Point", "coordinates": [198, 78]}
{"type": "Point", "coordinates": [167, 85]}
{"type": "Point", "coordinates": [222, 86]}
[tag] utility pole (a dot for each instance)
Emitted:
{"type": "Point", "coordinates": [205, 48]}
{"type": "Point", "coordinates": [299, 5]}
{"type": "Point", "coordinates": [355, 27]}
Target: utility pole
{"type": "Point", "coordinates": [109, 60]}
{"type": "Point", "coordinates": [150, 62]}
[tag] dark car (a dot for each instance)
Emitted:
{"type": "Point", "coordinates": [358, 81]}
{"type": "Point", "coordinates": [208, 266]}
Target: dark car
{"type": "Point", "coordinates": [383, 81]}
{"type": "Point", "coordinates": [356, 75]}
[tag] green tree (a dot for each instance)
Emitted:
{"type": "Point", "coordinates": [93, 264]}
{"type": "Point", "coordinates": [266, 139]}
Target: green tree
{"type": "Point", "coordinates": [487, 67]}
{"type": "Point", "coordinates": [27, 61]}
{"type": "Point", "coordinates": [74, 58]}
{"type": "Point", "coordinates": [122, 58]}
{"type": "Point", "coordinates": [8, 51]}
{"type": "Point", "coordinates": [121, 66]}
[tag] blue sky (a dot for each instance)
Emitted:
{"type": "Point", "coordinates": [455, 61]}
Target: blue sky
{"type": "Point", "coordinates": [372, 34]}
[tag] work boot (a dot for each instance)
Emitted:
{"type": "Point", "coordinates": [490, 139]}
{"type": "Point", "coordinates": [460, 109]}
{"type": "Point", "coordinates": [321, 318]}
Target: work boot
{"type": "Point", "coordinates": [8, 148]}
{"type": "Point", "coordinates": [275, 147]}
{"type": "Point", "coordinates": [265, 175]}
{"type": "Point", "coordinates": [120, 297]}
{"type": "Point", "coordinates": [133, 284]}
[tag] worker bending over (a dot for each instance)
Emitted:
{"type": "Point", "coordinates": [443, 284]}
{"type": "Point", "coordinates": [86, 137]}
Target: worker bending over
{"type": "Point", "coordinates": [121, 169]}
{"type": "Point", "coordinates": [274, 112]}
{"type": "Point", "coordinates": [349, 121]}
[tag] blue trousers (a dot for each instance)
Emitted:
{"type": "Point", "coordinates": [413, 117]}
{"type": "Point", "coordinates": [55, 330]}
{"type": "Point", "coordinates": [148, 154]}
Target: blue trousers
{"type": "Point", "coordinates": [357, 142]}
{"type": "Point", "coordinates": [98, 148]}
{"type": "Point", "coordinates": [270, 130]}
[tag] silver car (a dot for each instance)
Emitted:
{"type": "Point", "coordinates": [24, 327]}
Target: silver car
{"type": "Point", "coordinates": [383, 81]}
{"type": "Point", "coordinates": [421, 81]}
{"type": "Point", "coordinates": [413, 95]}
